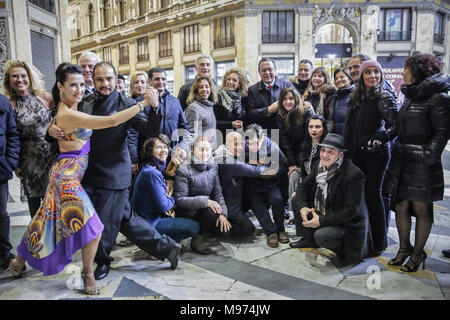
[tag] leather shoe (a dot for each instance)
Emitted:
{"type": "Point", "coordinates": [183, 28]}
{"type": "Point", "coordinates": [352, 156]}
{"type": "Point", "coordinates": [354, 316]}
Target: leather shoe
{"type": "Point", "coordinates": [283, 237]}
{"type": "Point", "coordinates": [174, 256]}
{"type": "Point", "coordinates": [303, 243]}
{"type": "Point", "coordinates": [446, 253]}
{"type": "Point", "coordinates": [272, 240]}
{"type": "Point", "coordinates": [101, 271]}
{"type": "Point", "coordinates": [4, 260]}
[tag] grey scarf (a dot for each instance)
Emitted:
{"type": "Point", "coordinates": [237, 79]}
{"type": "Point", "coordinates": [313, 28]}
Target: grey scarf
{"type": "Point", "coordinates": [323, 176]}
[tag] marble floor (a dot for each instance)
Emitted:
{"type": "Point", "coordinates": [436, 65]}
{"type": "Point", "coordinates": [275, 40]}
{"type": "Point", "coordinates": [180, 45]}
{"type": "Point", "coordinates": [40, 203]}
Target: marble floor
{"type": "Point", "coordinates": [241, 270]}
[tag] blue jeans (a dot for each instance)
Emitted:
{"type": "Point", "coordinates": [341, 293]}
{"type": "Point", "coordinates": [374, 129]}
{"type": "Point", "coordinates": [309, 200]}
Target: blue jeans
{"type": "Point", "coordinates": [178, 228]}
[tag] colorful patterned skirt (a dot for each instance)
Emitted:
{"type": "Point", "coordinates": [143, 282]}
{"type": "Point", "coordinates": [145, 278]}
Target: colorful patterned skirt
{"type": "Point", "coordinates": [66, 220]}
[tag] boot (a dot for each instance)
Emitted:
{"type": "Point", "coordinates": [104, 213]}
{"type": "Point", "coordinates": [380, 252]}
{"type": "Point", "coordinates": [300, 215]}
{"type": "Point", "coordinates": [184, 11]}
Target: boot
{"type": "Point", "coordinates": [198, 244]}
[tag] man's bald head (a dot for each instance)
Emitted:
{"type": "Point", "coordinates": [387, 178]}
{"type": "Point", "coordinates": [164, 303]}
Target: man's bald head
{"type": "Point", "coordinates": [235, 143]}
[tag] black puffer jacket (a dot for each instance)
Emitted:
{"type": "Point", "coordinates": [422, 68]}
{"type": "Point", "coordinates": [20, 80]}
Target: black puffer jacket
{"type": "Point", "coordinates": [423, 128]}
{"type": "Point", "coordinates": [194, 184]}
{"type": "Point", "coordinates": [374, 118]}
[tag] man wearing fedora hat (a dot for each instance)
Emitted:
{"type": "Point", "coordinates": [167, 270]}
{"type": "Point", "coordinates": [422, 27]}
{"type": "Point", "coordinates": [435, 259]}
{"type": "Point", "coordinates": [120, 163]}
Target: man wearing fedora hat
{"type": "Point", "coordinates": [332, 206]}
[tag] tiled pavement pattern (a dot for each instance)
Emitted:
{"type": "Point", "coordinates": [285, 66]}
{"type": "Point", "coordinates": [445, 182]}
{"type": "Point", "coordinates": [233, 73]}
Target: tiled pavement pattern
{"type": "Point", "coordinates": [244, 270]}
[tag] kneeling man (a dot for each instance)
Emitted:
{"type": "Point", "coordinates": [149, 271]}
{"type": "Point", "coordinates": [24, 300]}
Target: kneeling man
{"type": "Point", "coordinates": [332, 206]}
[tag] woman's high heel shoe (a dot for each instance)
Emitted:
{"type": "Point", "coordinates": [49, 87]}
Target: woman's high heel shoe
{"type": "Point", "coordinates": [89, 290]}
{"type": "Point", "coordinates": [416, 260]}
{"type": "Point", "coordinates": [402, 255]}
{"type": "Point", "coordinates": [16, 268]}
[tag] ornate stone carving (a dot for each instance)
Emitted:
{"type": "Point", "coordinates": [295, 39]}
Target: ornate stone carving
{"type": "Point", "coordinates": [332, 14]}
{"type": "Point", "coordinates": [3, 47]}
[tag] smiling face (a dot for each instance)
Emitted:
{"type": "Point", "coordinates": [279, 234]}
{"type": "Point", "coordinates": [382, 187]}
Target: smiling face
{"type": "Point", "coordinates": [202, 150]}
{"type": "Point", "coordinates": [289, 101]}
{"type": "Point", "coordinates": [72, 90]}
{"type": "Point", "coordinates": [341, 80]}
{"type": "Point", "coordinates": [328, 156]}
{"type": "Point", "coordinates": [353, 68]}
{"type": "Point", "coordinates": [315, 129]}
{"type": "Point", "coordinates": [317, 80]}
{"type": "Point", "coordinates": [139, 85]}
{"type": "Point", "coordinates": [204, 90]}
{"type": "Point", "coordinates": [120, 85]}
{"type": "Point", "coordinates": [235, 143]}
{"type": "Point", "coordinates": [160, 150]}
{"type": "Point", "coordinates": [87, 65]}
{"type": "Point", "coordinates": [19, 80]}
{"type": "Point", "coordinates": [372, 77]}
{"type": "Point", "coordinates": [304, 71]}
{"type": "Point", "coordinates": [232, 82]}
{"type": "Point", "coordinates": [104, 80]}
{"type": "Point", "coordinates": [408, 77]}
{"type": "Point", "coordinates": [203, 67]}
{"type": "Point", "coordinates": [267, 72]}
{"type": "Point", "coordinates": [159, 81]}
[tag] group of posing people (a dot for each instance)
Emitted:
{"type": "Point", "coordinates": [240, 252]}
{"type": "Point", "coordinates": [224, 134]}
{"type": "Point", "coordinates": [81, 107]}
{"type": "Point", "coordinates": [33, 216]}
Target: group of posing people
{"type": "Point", "coordinates": [160, 169]}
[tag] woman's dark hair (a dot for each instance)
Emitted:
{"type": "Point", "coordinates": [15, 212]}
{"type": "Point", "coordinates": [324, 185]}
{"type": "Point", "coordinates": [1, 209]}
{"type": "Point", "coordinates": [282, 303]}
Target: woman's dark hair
{"type": "Point", "coordinates": [423, 65]}
{"type": "Point", "coordinates": [149, 144]}
{"type": "Point", "coordinates": [295, 113]}
{"type": "Point", "coordinates": [307, 141]}
{"type": "Point", "coordinates": [345, 71]}
{"type": "Point", "coordinates": [361, 91]}
{"type": "Point", "coordinates": [61, 73]}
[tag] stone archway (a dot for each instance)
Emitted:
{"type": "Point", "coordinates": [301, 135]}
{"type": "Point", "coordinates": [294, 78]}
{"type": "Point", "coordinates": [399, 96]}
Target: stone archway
{"type": "Point", "coordinates": [350, 18]}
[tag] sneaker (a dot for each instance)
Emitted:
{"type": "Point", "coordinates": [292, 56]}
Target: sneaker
{"type": "Point", "coordinates": [272, 240]}
{"type": "Point", "coordinates": [446, 253]}
{"type": "Point", "coordinates": [283, 237]}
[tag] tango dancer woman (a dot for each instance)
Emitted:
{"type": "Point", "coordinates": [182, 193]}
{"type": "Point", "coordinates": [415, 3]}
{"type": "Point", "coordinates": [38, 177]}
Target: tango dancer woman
{"type": "Point", "coordinates": [67, 221]}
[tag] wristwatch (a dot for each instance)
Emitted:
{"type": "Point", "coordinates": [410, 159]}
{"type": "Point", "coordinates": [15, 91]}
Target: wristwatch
{"type": "Point", "coordinates": [141, 105]}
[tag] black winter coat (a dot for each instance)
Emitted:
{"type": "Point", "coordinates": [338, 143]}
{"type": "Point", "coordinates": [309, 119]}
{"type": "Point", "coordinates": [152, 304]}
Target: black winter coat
{"type": "Point", "coordinates": [345, 207]}
{"type": "Point", "coordinates": [373, 118]}
{"type": "Point", "coordinates": [225, 117]}
{"type": "Point", "coordinates": [423, 128]}
{"type": "Point", "coordinates": [291, 139]}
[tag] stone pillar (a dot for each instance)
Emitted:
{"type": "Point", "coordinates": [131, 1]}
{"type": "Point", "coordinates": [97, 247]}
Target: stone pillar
{"type": "Point", "coordinates": [205, 36]}
{"type": "Point", "coordinates": [153, 50]}
{"type": "Point", "coordinates": [22, 37]}
{"type": "Point", "coordinates": [305, 35]}
{"type": "Point", "coordinates": [178, 70]}
{"type": "Point", "coordinates": [248, 38]}
{"type": "Point", "coordinates": [368, 36]}
{"type": "Point", "coordinates": [115, 55]}
{"type": "Point", "coordinates": [424, 30]}
{"type": "Point", "coordinates": [446, 58]}
{"type": "Point", "coordinates": [132, 53]}
{"type": "Point", "coordinates": [64, 30]}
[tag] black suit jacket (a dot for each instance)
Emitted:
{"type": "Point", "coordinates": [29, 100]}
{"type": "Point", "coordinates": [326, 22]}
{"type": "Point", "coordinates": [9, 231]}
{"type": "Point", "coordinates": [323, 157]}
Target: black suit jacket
{"type": "Point", "coordinates": [259, 99]}
{"type": "Point", "coordinates": [109, 160]}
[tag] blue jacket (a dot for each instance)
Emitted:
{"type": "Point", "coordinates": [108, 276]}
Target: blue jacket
{"type": "Point", "coordinates": [149, 198]}
{"type": "Point", "coordinates": [9, 140]}
{"type": "Point", "coordinates": [169, 119]}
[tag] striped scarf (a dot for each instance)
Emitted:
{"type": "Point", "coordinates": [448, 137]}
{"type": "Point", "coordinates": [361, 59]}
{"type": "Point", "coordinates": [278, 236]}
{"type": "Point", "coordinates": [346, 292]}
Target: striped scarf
{"type": "Point", "coordinates": [323, 176]}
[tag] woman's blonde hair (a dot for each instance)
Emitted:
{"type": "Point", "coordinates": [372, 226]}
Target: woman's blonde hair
{"type": "Point", "coordinates": [196, 84]}
{"type": "Point", "coordinates": [242, 76]}
{"type": "Point", "coordinates": [133, 79]}
{"type": "Point", "coordinates": [37, 84]}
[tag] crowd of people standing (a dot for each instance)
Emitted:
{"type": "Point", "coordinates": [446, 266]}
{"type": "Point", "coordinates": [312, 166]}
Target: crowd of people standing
{"type": "Point", "coordinates": [340, 151]}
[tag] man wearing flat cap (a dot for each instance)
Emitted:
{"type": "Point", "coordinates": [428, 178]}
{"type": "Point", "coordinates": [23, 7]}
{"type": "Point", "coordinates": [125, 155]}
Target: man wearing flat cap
{"type": "Point", "coordinates": [332, 206]}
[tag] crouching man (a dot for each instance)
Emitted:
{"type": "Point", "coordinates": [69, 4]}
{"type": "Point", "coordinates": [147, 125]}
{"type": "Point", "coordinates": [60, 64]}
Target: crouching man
{"type": "Point", "coordinates": [332, 206]}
